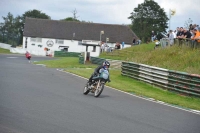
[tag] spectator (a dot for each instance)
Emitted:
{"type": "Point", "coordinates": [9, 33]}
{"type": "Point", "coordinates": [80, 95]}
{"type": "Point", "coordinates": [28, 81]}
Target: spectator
{"type": "Point", "coordinates": [190, 27]}
{"type": "Point", "coordinates": [102, 47]}
{"type": "Point", "coordinates": [196, 37]}
{"type": "Point", "coordinates": [134, 41]}
{"type": "Point", "coordinates": [198, 27]}
{"type": "Point", "coordinates": [192, 32]}
{"type": "Point", "coordinates": [123, 45]}
{"type": "Point", "coordinates": [180, 33]}
{"type": "Point", "coordinates": [117, 45]}
{"type": "Point", "coordinates": [175, 32]}
{"type": "Point", "coordinates": [139, 41]}
{"type": "Point", "coordinates": [152, 36]}
{"type": "Point", "coordinates": [171, 38]}
{"type": "Point", "coordinates": [186, 34]}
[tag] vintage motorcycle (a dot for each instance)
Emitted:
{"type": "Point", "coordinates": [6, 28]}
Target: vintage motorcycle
{"type": "Point", "coordinates": [98, 83]}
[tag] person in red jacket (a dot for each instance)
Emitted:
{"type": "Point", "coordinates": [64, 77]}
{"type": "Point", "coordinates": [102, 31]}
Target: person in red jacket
{"type": "Point", "coordinates": [28, 55]}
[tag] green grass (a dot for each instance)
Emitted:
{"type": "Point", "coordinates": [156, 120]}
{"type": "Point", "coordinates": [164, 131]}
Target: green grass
{"type": "Point", "coordinates": [66, 62]}
{"type": "Point", "coordinates": [125, 83]}
{"type": "Point", "coordinates": [142, 89]}
{"type": "Point", "coordinates": [176, 58]}
{"type": "Point", "coordinates": [4, 51]}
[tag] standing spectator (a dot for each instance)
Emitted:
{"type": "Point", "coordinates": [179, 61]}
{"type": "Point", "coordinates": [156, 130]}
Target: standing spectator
{"type": "Point", "coordinates": [102, 47]}
{"type": "Point", "coordinates": [175, 33]}
{"type": "Point", "coordinates": [139, 41]}
{"type": "Point", "coordinates": [134, 41]}
{"type": "Point", "coordinates": [196, 37]}
{"type": "Point", "coordinates": [171, 38]}
{"type": "Point", "coordinates": [186, 34]}
{"type": "Point", "coordinates": [117, 45]}
{"type": "Point", "coordinates": [152, 36]}
{"type": "Point", "coordinates": [192, 32]}
{"type": "Point", "coordinates": [180, 33]}
{"type": "Point", "coordinates": [123, 45]}
{"type": "Point", "coordinates": [198, 27]}
{"type": "Point", "coordinates": [190, 27]}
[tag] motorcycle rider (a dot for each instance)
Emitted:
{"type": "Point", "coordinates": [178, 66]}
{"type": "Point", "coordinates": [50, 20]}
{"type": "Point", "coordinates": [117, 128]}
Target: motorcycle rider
{"type": "Point", "coordinates": [28, 55]}
{"type": "Point", "coordinates": [105, 65]}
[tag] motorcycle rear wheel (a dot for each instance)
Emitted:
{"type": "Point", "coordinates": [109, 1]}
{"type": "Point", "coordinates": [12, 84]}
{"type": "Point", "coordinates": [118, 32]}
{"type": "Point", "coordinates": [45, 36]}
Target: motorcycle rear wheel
{"type": "Point", "coordinates": [86, 90]}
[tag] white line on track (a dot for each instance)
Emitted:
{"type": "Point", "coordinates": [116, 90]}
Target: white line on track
{"type": "Point", "coordinates": [148, 99]}
{"type": "Point", "coordinates": [12, 57]}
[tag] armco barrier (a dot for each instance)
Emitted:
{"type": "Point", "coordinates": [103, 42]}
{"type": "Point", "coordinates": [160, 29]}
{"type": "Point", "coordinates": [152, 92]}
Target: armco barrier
{"type": "Point", "coordinates": [81, 60]}
{"type": "Point", "coordinates": [66, 54]}
{"type": "Point", "coordinates": [167, 79]}
{"type": "Point", "coordinates": [96, 60]}
{"type": "Point", "coordinates": [113, 63]}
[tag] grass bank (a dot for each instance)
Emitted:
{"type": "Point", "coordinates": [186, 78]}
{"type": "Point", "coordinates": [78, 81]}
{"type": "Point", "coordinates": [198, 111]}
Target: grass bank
{"type": "Point", "coordinates": [177, 58]}
{"type": "Point", "coordinates": [125, 83]}
{"type": "Point", "coordinates": [4, 51]}
{"type": "Point", "coordinates": [66, 62]}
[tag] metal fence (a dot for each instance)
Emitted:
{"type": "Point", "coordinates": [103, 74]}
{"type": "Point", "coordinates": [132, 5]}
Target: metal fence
{"type": "Point", "coordinates": [66, 54]}
{"type": "Point", "coordinates": [81, 60]}
{"type": "Point", "coordinates": [172, 80]}
{"type": "Point", "coordinates": [164, 42]}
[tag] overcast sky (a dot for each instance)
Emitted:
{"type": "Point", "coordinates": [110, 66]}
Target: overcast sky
{"type": "Point", "coordinates": [101, 11]}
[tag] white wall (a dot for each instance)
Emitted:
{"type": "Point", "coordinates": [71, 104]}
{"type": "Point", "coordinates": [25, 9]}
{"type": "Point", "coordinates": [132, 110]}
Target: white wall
{"type": "Point", "coordinates": [73, 46]}
{"type": "Point", "coordinates": [5, 46]}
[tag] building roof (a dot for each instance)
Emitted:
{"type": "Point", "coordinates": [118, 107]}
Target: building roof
{"type": "Point", "coordinates": [45, 28]}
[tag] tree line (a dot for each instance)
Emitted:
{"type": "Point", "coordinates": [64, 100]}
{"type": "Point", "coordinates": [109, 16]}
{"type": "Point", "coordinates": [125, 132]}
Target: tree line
{"type": "Point", "coordinates": [146, 17]}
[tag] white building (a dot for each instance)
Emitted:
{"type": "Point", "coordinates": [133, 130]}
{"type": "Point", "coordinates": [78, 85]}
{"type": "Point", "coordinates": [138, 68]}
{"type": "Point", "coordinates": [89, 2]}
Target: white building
{"type": "Point", "coordinates": [42, 34]}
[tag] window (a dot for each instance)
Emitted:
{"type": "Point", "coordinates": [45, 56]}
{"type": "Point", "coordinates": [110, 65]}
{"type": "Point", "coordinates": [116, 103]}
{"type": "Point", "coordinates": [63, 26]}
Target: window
{"type": "Point", "coordinates": [36, 39]}
{"type": "Point", "coordinates": [58, 41]}
{"type": "Point", "coordinates": [94, 49]}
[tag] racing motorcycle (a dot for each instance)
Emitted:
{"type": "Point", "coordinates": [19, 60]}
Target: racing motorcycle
{"type": "Point", "coordinates": [97, 84]}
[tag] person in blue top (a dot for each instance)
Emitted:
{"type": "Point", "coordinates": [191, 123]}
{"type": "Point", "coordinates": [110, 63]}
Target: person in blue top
{"type": "Point", "coordinates": [105, 65]}
{"type": "Point", "coordinates": [123, 44]}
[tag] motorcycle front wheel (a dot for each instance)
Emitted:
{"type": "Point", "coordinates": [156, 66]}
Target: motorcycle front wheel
{"type": "Point", "coordinates": [99, 90]}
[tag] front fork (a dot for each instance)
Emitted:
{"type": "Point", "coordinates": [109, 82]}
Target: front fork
{"type": "Point", "coordinates": [98, 84]}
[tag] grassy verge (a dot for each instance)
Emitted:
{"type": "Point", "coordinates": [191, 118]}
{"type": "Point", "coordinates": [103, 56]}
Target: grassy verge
{"type": "Point", "coordinates": [125, 83]}
{"type": "Point", "coordinates": [4, 51]}
{"type": "Point", "coordinates": [66, 62]}
{"type": "Point", "coordinates": [177, 58]}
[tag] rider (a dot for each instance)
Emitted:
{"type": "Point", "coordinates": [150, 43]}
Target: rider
{"type": "Point", "coordinates": [28, 55]}
{"type": "Point", "coordinates": [105, 65]}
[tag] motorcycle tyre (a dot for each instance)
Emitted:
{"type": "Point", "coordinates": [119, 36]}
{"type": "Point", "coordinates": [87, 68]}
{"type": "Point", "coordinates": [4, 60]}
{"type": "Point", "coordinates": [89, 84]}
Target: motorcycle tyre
{"type": "Point", "coordinates": [98, 92]}
{"type": "Point", "coordinates": [86, 90]}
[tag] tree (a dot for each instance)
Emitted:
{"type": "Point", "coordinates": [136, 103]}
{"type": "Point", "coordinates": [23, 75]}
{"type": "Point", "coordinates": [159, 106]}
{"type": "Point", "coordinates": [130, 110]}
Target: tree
{"type": "Point", "coordinates": [8, 29]}
{"type": "Point", "coordinates": [74, 18]}
{"type": "Point", "coordinates": [31, 14]}
{"type": "Point", "coordinates": [70, 19]}
{"type": "Point", "coordinates": [188, 23]}
{"type": "Point", "coordinates": [147, 17]}
{"type": "Point", "coordinates": [12, 27]}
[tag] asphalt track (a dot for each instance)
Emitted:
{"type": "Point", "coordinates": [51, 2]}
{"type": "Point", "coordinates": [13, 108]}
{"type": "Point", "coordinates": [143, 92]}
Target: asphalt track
{"type": "Point", "coordinates": [36, 99]}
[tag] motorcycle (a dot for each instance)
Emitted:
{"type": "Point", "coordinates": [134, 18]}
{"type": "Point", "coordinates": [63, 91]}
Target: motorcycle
{"type": "Point", "coordinates": [28, 56]}
{"type": "Point", "coordinates": [97, 84]}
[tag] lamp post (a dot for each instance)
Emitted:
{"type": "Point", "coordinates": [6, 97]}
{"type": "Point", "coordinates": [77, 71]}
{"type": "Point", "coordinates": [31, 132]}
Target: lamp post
{"type": "Point", "coordinates": [171, 13]}
{"type": "Point", "coordinates": [101, 33]}
{"type": "Point", "coordinates": [107, 39]}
